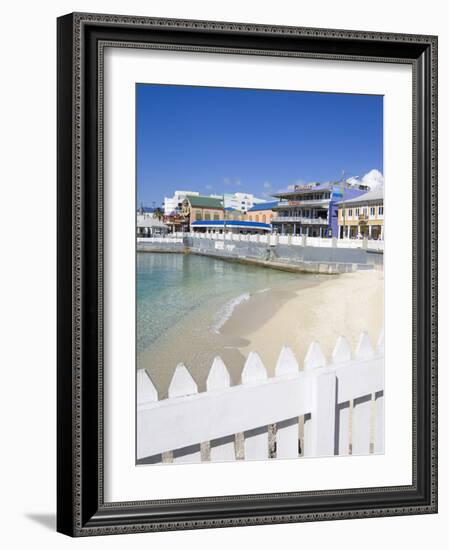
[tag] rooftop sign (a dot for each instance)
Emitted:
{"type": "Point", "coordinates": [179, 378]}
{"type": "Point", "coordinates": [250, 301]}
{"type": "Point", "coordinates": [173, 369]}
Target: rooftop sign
{"type": "Point", "coordinates": [304, 187]}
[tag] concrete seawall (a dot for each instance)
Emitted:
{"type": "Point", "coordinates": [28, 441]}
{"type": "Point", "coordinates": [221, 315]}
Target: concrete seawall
{"type": "Point", "coordinates": [178, 247]}
{"type": "Point", "coordinates": [280, 256]}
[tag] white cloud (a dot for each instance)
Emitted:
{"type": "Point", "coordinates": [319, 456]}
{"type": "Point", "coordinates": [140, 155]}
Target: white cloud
{"type": "Point", "coordinates": [372, 179]}
{"type": "Point", "coordinates": [233, 182]}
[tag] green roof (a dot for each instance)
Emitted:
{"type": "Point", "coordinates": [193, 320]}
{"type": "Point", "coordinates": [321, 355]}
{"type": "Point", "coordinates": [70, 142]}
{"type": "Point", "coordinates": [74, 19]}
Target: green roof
{"type": "Point", "coordinates": [204, 202]}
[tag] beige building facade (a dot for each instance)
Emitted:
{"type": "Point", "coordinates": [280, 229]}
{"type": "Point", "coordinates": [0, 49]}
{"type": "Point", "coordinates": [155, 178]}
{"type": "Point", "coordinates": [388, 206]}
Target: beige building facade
{"type": "Point", "coordinates": [262, 213]}
{"type": "Point", "coordinates": [362, 217]}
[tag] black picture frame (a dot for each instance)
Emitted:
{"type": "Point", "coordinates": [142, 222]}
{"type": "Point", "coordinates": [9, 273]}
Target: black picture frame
{"type": "Point", "coordinates": [81, 509]}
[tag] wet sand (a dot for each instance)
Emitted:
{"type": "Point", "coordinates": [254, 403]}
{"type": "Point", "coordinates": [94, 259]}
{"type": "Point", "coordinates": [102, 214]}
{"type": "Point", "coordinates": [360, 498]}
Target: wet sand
{"type": "Point", "coordinates": [195, 340]}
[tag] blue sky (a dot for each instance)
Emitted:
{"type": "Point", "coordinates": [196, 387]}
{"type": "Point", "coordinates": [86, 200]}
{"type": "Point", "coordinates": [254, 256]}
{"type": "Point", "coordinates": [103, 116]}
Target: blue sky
{"type": "Point", "coordinates": [224, 140]}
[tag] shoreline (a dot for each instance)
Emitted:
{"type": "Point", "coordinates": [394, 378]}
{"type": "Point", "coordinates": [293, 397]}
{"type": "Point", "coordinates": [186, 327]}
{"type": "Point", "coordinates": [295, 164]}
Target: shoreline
{"type": "Point", "coordinates": [197, 340]}
{"type": "Point", "coordinates": [313, 307]}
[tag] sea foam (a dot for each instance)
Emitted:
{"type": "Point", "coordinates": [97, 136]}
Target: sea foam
{"type": "Point", "coordinates": [225, 312]}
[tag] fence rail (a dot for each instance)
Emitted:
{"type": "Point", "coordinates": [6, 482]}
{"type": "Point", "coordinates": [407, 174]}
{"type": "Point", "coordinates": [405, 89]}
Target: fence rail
{"type": "Point", "coordinates": [164, 240]}
{"type": "Point", "coordinates": [339, 407]}
{"type": "Point", "coordinates": [273, 239]}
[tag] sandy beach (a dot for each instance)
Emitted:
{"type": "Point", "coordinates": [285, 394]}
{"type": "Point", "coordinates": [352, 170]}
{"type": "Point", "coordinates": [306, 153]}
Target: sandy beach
{"type": "Point", "coordinates": [341, 305]}
{"type": "Point", "coordinates": [294, 313]}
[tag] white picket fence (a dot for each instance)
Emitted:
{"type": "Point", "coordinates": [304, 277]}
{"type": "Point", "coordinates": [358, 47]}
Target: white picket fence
{"type": "Point", "coordinates": [339, 407]}
{"type": "Point", "coordinates": [273, 239]}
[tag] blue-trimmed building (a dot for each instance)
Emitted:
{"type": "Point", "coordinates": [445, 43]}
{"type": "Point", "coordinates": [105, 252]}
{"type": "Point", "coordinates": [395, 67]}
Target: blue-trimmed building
{"type": "Point", "coordinates": [262, 212]}
{"type": "Point", "coordinates": [233, 226]}
{"type": "Point", "coordinates": [312, 209]}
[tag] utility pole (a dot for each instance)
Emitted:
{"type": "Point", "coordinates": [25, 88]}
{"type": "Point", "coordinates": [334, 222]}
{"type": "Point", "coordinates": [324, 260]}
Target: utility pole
{"type": "Point", "coordinates": [224, 218]}
{"type": "Point", "coordinates": [343, 201]}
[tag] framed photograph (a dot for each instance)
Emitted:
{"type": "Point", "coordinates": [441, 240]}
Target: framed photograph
{"type": "Point", "coordinates": [247, 274]}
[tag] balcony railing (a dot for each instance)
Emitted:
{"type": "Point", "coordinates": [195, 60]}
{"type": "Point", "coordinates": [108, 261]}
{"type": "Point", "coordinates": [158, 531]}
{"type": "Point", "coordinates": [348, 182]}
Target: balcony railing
{"type": "Point", "coordinates": [301, 202]}
{"type": "Point", "coordinates": [301, 219]}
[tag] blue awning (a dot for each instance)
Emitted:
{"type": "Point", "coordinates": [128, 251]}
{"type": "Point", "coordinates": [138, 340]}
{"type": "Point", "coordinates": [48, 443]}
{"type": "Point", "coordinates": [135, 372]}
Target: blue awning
{"type": "Point", "coordinates": [219, 224]}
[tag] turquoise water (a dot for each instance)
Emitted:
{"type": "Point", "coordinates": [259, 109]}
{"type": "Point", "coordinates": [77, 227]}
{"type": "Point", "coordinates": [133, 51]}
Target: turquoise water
{"type": "Point", "coordinates": [170, 287]}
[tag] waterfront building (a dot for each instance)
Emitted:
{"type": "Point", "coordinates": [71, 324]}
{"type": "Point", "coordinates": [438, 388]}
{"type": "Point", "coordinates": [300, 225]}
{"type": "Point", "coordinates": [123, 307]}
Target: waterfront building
{"type": "Point", "coordinates": [172, 205]}
{"type": "Point", "coordinates": [312, 209]}
{"type": "Point", "coordinates": [237, 201]}
{"type": "Point", "coordinates": [363, 216]}
{"type": "Point", "coordinates": [149, 226]}
{"type": "Point", "coordinates": [263, 212]}
{"type": "Point", "coordinates": [200, 208]}
{"type": "Point", "coordinates": [174, 222]}
{"type": "Point", "coordinates": [230, 226]}
{"type": "Point", "coordinates": [145, 210]}
{"type": "Point", "coordinates": [241, 201]}
{"type": "Point", "coordinates": [233, 214]}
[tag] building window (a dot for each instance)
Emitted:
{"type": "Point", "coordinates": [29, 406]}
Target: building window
{"type": "Point", "coordinates": [207, 216]}
{"type": "Point", "coordinates": [257, 217]}
{"type": "Point", "coordinates": [216, 217]}
{"type": "Point", "coordinates": [381, 210]}
{"type": "Point", "coordinates": [198, 216]}
{"type": "Point", "coordinates": [357, 212]}
{"type": "Point", "coordinates": [350, 212]}
{"type": "Point", "coordinates": [372, 210]}
{"type": "Point", "coordinates": [264, 219]}
{"type": "Point", "coordinates": [250, 218]}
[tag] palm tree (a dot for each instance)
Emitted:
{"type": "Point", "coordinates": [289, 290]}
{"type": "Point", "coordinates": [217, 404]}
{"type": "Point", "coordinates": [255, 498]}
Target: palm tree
{"type": "Point", "coordinates": [158, 213]}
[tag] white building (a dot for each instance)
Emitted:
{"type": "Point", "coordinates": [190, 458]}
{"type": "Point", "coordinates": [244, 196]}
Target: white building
{"type": "Point", "coordinates": [173, 204]}
{"type": "Point", "coordinates": [236, 201]}
{"type": "Point", "coordinates": [239, 201]}
{"type": "Point", "coordinates": [149, 226]}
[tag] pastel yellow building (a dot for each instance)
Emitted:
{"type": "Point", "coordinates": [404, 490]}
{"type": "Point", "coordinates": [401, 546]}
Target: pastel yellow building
{"type": "Point", "coordinates": [362, 217]}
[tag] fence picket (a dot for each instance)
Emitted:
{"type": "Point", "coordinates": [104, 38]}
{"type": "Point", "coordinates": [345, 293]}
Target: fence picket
{"type": "Point", "coordinates": [381, 343]}
{"type": "Point", "coordinates": [314, 358]}
{"type": "Point", "coordinates": [362, 406]}
{"type": "Point", "coordinates": [342, 351]}
{"type": "Point", "coordinates": [319, 425]}
{"type": "Point", "coordinates": [342, 354]}
{"type": "Point", "coordinates": [379, 445]}
{"type": "Point", "coordinates": [224, 448]}
{"type": "Point", "coordinates": [379, 403]}
{"type": "Point", "coordinates": [287, 434]}
{"type": "Point", "coordinates": [364, 347]}
{"type": "Point", "coordinates": [146, 393]}
{"type": "Point", "coordinates": [183, 384]}
{"type": "Point", "coordinates": [256, 440]}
